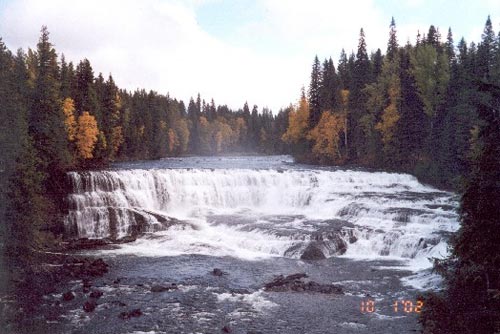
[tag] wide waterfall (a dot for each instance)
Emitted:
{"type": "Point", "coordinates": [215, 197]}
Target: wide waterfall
{"type": "Point", "coordinates": [258, 212]}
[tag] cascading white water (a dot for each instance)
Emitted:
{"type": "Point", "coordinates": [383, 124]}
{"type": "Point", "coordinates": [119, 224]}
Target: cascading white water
{"type": "Point", "coordinates": [254, 212]}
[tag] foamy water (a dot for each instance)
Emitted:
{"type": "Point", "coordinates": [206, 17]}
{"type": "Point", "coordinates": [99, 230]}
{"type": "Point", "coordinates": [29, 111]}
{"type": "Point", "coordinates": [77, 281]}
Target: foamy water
{"type": "Point", "coordinates": [261, 213]}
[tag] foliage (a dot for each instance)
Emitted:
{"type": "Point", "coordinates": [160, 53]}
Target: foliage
{"type": "Point", "coordinates": [327, 136]}
{"type": "Point", "coordinates": [297, 123]}
{"type": "Point", "coordinates": [69, 118]}
{"type": "Point", "coordinates": [431, 71]}
{"type": "Point", "coordinates": [86, 135]}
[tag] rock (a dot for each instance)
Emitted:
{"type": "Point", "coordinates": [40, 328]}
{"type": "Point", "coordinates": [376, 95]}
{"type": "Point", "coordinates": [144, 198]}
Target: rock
{"type": "Point", "coordinates": [85, 243]}
{"type": "Point", "coordinates": [67, 296]}
{"type": "Point", "coordinates": [162, 288]}
{"type": "Point", "coordinates": [296, 283]}
{"type": "Point", "coordinates": [226, 329]}
{"type": "Point", "coordinates": [218, 272]}
{"type": "Point", "coordinates": [86, 284]}
{"type": "Point", "coordinates": [89, 305]}
{"type": "Point", "coordinates": [96, 294]}
{"type": "Point", "coordinates": [285, 282]}
{"type": "Point", "coordinates": [312, 252]}
{"type": "Point", "coordinates": [126, 239]}
{"type": "Point", "coordinates": [98, 268]}
{"type": "Point", "coordinates": [118, 303]}
{"type": "Point", "coordinates": [130, 314]}
{"type": "Point", "coordinates": [84, 268]}
{"type": "Point", "coordinates": [240, 291]}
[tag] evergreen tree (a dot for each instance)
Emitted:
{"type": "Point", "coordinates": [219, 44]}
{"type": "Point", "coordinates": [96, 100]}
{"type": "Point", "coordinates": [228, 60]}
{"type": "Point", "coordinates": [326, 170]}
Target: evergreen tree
{"type": "Point", "coordinates": [28, 208]}
{"type": "Point", "coordinates": [392, 45]}
{"type": "Point", "coordinates": [314, 94]}
{"type": "Point", "coordinates": [86, 98]}
{"type": "Point", "coordinates": [376, 60]}
{"type": "Point", "coordinates": [329, 87]}
{"type": "Point", "coordinates": [357, 99]}
{"type": "Point", "coordinates": [449, 46]}
{"type": "Point", "coordinates": [486, 52]}
{"type": "Point", "coordinates": [46, 119]}
{"type": "Point", "coordinates": [344, 71]}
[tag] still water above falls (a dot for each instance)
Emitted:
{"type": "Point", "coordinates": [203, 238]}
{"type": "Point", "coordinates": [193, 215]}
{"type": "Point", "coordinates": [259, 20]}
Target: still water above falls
{"type": "Point", "coordinates": [257, 207]}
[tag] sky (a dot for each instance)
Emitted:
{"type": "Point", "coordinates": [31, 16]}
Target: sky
{"type": "Point", "coordinates": [233, 51]}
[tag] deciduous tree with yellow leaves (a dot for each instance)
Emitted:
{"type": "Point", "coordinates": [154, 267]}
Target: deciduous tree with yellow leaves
{"type": "Point", "coordinates": [327, 136]}
{"type": "Point", "coordinates": [69, 118]}
{"type": "Point", "coordinates": [86, 135]}
{"type": "Point", "coordinates": [297, 122]}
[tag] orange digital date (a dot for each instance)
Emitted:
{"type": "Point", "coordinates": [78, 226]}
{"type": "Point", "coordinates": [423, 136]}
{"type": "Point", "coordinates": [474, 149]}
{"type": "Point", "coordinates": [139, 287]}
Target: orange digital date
{"type": "Point", "coordinates": [406, 306]}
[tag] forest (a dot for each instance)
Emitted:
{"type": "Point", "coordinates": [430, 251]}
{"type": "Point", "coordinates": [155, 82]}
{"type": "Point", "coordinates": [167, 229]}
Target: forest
{"type": "Point", "coordinates": [430, 109]}
{"type": "Point", "coordinates": [433, 110]}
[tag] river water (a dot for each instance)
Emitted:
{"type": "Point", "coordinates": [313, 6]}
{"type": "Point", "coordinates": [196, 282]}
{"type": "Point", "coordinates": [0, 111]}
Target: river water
{"type": "Point", "coordinates": [373, 233]}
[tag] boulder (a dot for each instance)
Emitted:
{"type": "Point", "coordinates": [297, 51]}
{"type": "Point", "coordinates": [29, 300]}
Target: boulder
{"type": "Point", "coordinates": [130, 314]}
{"type": "Point", "coordinates": [218, 272]}
{"type": "Point", "coordinates": [89, 305]}
{"type": "Point", "coordinates": [312, 253]}
{"type": "Point", "coordinates": [67, 296]}
{"type": "Point", "coordinates": [296, 283]}
{"type": "Point", "coordinates": [96, 294]}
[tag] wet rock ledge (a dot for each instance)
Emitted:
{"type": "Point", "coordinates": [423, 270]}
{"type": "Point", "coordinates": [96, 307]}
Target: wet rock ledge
{"type": "Point", "coordinates": [299, 283]}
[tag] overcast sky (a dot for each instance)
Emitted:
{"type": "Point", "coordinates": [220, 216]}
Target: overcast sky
{"type": "Point", "coordinates": [258, 51]}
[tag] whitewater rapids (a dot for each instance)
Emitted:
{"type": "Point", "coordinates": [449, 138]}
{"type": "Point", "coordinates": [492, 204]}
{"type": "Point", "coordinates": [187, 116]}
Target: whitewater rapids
{"type": "Point", "coordinates": [253, 213]}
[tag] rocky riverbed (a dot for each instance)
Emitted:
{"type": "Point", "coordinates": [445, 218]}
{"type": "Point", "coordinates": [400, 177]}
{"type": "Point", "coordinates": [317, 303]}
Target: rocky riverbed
{"type": "Point", "coordinates": [203, 294]}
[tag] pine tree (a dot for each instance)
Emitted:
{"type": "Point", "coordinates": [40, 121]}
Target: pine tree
{"type": "Point", "coordinates": [329, 88]}
{"type": "Point", "coordinates": [449, 46]}
{"type": "Point", "coordinates": [46, 124]}
{"type": "Point", "coordinates": [486, 51]}
{"type": "Point", "coordinates": [314, 94]}
{"type": "Point", "coordinates": [392, 45]}
{"type": "Point", "coordinates": [357, 99]}
{"type": "Point", "coordinates": [86, 98]}
{"type": "Point", "coordinates": [376, 60]}
{"type": "Point", "coordinates": [345, 74]}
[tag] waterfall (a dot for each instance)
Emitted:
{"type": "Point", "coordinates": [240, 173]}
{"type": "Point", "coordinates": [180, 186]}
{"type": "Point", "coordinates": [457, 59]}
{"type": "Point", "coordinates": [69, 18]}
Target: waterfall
{"type": "Point", "coordinates": [271, 211]}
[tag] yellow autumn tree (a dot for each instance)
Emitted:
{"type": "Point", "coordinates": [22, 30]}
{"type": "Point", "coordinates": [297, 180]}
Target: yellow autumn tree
{"type": "Point", "coordinates": [297, 122]}
{"type": "Point", "coordinates": [86, 135]}
{"type": "Point", "coordinates": [388, 85]}
{"type": "Point", "coordinates": [327, 137]}
{"type": "Point", "coordinates": [390, 117]}
{"type": "Point", "coordinates": [70, 124]}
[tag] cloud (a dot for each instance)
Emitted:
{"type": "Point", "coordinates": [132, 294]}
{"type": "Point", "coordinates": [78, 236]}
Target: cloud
{"type": "Point", "coordinates": [160, 45]}
{"type": "Point", "coordinates": [154, 45]}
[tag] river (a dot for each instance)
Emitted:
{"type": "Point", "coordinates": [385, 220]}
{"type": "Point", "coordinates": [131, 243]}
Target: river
{"type": "Point", "coordinates": [254, 217]}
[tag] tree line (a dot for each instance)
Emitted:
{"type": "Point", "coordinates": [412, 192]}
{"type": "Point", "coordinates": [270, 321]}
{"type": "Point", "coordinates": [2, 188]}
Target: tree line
{"type": "Point", "coordinates": [412, 109]}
